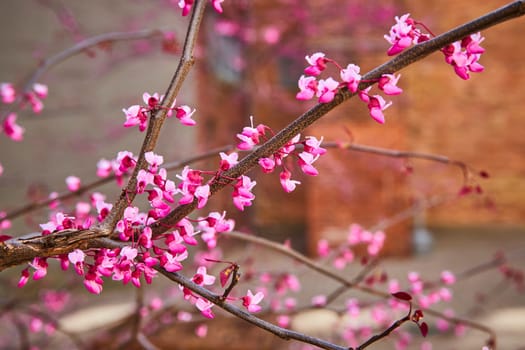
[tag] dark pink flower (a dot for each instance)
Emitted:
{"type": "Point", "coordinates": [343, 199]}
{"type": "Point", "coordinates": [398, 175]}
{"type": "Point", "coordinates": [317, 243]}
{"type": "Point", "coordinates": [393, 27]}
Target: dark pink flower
{"type": "Point", "coordinates": [12, 129]}
{"type": "Point", "coordinates": [388, 83]}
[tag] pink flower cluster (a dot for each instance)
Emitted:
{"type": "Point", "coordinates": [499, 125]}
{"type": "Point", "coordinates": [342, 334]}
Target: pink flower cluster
{"type": "Point", "coordinates": [138, 115]}
{"type": "Point", "coordinates": [312, 150]}
{"type": "Point", "coordinates": [326, 89]}
{"type": "Point", "coordinates": [357, 236]}
{"type": "Point", "coordinates": [403, 34]}
{"type": "Point", "coordinates": [8, 95]}
{"type": "Point", "coordinates": [463, 55]}
{"type": "Point", "coordinates": [122, 165]}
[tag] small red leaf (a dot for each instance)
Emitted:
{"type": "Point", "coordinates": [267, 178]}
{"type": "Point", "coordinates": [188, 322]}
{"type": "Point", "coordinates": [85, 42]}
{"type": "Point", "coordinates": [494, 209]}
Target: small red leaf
{"type": "Point", "coordinates": [423, 328]}
{"type": "Point", "coordinates": [4, 238]}
{"type": "Point", "coordinates": [484, 174]}
{"type": "Point", "coordinates": [402, 296]}
{"type": "Point", "coordinates": [224, 275]}
{"type": "Point", "coordinates": [465, 190]}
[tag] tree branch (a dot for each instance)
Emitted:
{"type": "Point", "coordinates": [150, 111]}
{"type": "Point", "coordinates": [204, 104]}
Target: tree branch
{"type": "Point", "coordinates": [283, 333]}
{"type": "Point", "coordinates": [404, 59]}
{"type": "Point", "coordinates": [159, 116]}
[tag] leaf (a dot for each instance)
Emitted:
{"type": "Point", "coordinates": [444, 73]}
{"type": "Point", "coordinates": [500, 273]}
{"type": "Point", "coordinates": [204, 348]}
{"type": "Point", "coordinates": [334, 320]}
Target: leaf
{"type": "Point", "coordinates": [484, 174]}
{"type": "Point", "coordinates": [423, 328]}
{"type": "Point", "coordinates": [402, 296]}
{"type": "Point", "coordinates": [4, 238]}
{"type": "Point", "coordinates": [224, 275]}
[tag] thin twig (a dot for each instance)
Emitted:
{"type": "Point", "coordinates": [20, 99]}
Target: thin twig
{"type": "Point", "coordinates": [345, 281]}
{"type": "Point", "coordinates": [283, 333]}
{"type": "Point", "coordinates": [80, 47]}
{"type": "Point", "coordinates": [158, 117]}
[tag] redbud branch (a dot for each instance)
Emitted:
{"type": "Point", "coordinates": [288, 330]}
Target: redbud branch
{"type": "Point", "coordinates": [78, 48]}
{"type": "Point", "coordinates": [403, 60]}
{"type": "Point", "coordinates": [283, 333]}
{"type": "Point", "coordinates": [347, 282]}
{"type": "Point", "coordinates": [158, 117]}
{"type": "Point", "coordinates": [97, 183]}
{"type": "Point", "coordinates": [400, 154]}
{"type": "Point", "coordinates": [385, 333]}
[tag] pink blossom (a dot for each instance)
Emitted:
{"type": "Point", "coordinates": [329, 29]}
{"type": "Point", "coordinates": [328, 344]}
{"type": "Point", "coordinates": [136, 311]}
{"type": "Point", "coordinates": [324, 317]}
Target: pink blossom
{"type": "Point", "coordinates": [93, 283]}
{"type": "Point", "coordinates": [319, 300]}
{"type": "Point", "coordinates": [154, 160]}
{"type": "Point", "coordinates": [250, 137]}
{"type": "Point", "coordinates": [350, 75]}
{"type": "Point", "coordinates": [217, 5]}
{"type": "Point", "coordinates": [305, 162]}
{"type": "Point", "coordinates": [135, 115]}
{"type": "Point", "coordinates": [11, 129]}
{"type": "Point", "coordinates": [205, 307]}
{"type": "Point", "coordinates": [36, 324]}
{"type": "Point", "coordinates": [170, 262]}
{"type": "Point", "coordinates": [73, 183]}
{"type": "Point", "coordinates": [388, 83]}
{"type": "Point", "coordinates": [242, 195]}
{"type": "Point", "coordinates": [377, 105]}
{"type": "Point", "coordinates": [129, 253]}
{"type": "Point", "coordinates": [283, 321]}
{"type": "Point", "coordinates": [104, 168]}
{"type": "Point", "coordinates": [445, 294]}
{"type": "Point", "coordinates": [323, 248]}
{"type": "Point", "coordinates": [23, 278]}
{"type": "Point", "coordinates": [36, 104]}
{"type": "Point", "coordinates": [202, 278]}
{"type": "Point", "coordinates": [228, 160]}
{"type": "Point", "coordinates": [313, 146]}
{"type": "Point", "coordinates": [326, 90]}
{"type": "Point", "coordinates": [1, 169]}
{"type": "Point", "coordinates": [352, 307]}
{"type": "Point", "coordinates": [40, 90]}
{"type": "Point", "coordinates": [125, 161]}
{"type": "Point", "coordinates": [201, 331]}
{"type": "Point", "coordinates": [184, 316]}
{"type": "Point", "coordinates": [251, 301]}
{"type": "Point", "coordinates": [183, 114]}
{"type": "Point", "coordinates": [40, 265]}
{"type": "Point", "coordinates": [307, 87]}
{"type": "Point", "coordinates": [76, 257]}
{"type": "Point", "coordinates": [145, 238]}
{"type": "Point", "coordinates": [402, 34]}
{"type": "Point", "coordinates": [448, 277]}
{"type": "Point", "coordinates": [286, 182]}
{"type": "Point", "coordinates": [464, 55]}
{"type": "Point", "coordinates": [317, 64]}
{"type": "Point", "coordinates": [202, 193]}
{"type": "Point", "coordinates": [267, 164]}
{"type": "Point", "coordinates": [186, 5]}
{"type": "Point", "coordinates": [271, 35]}
{"type": "Point", "coordinates": [7, 92]}
{"type": "Point", "coordinates": [152, 101]}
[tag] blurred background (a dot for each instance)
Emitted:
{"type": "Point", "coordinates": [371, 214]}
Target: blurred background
{"type": "Point", "coordinates": [248, 63]}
